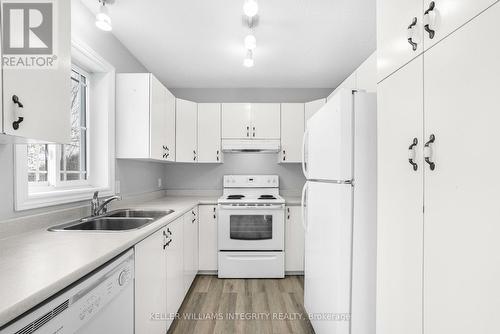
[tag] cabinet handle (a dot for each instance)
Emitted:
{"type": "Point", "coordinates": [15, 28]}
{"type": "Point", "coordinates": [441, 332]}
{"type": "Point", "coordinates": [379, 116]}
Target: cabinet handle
{"type": "Point", "coordinates": [217, 155]}
{"type": "Point", "coordinates": [215, 216]}
{"type": "Point", "coordinates": [168, 231]}
{"type": "Point", "coordinates": [194, 155]}
{"type": "Point", "coordinates": [253, 128]}
{"type": "Point", "coordinates": [192, 221]}
{"type": "Point", "coordinates": [288, 213]}
{"type": "Point", "coordinates": [15, 124]}
{"type": "Point", "coordinates": [427, 13]}
{"type": "Point", "coordinates": [165, 155]}
{"type": "Point", "coordinates": [410, 34]}
{"type": "Point", "coordinates": [428, 152]}
{"type": "Point", "coordinates": [284, 155]}
{"type": "Point", "coordinates": [411, 154]}
{"type": "Point", "coordinates": [248, 131]}
{"type": "Point", "coordinates": [167, 244]}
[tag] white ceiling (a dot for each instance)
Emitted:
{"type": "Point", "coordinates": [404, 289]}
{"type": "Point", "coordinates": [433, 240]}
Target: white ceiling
{"type": "Point", "coordinates": [199, 43]}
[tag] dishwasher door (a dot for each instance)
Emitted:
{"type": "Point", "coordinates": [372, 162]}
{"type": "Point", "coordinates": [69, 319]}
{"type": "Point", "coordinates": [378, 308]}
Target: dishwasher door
{"type": "Point", "coordinates": [101, 303]}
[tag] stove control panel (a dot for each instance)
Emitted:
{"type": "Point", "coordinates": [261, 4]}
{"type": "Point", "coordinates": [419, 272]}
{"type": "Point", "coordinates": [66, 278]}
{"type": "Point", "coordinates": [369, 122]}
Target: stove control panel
{"type": "Point", "coordinates": [251, 181]}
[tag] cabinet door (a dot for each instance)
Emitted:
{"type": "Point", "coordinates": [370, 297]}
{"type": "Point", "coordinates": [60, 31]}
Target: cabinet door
{"type": "Point", "coordinates": [175, 267]}
{"type": "Point", "coordinates": [462, 230]}
{"type": "Point", "coordinates": [150, 284]}
{"type": "Point", "coordinates": [294, 239]}
{"type": "Point", "coordinates": [190, 247]}
{"type": "Point", "coordinates": [186, 131]}
{"type": "Point", "coordinates": [208, 237]}
{"type": "Point", "coordinates": [170, 127]}
{"type": "Point", "coordinates": [266, 120]}
{"type": "Point", "coordinates": [44, 92]}
{"type": "Point", "coordinates": [292, 129]}
{"type": "Point", "coordinates": [400, 202]}
{"type": "Point", "coordinates": [445, 16]}
{"type": "Point", "coordinates": [209, 132]}
{"type": "Point", "coordinates": [312, 107]}
{"type": "Point", "coordinates": [157, 119]}
{"type": "Point", "coordinates": [393, 48]}
{"type": "Point", "coordinates": [236, 120]}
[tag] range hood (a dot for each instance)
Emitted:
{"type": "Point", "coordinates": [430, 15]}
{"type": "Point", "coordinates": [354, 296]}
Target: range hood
{"type": "Point", "coordinates": [251, 145]}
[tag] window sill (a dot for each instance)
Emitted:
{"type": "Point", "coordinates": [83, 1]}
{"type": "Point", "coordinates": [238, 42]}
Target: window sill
{"type": "Point", "coordinates": [60, 196]}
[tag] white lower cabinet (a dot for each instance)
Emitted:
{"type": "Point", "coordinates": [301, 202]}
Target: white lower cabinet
{"type": "Point", "coordinates": [151, 284]}
{"type": "Point", "coordinates": [159, 278]}
{"type": "Point", "coordinates": [190, 247]}
{"type": "Point", "coordinates": [208, 238]}
{"type": "Point", "coordinates": [175, 268]}
{"type": "Point", "coordinates": [294, 239]}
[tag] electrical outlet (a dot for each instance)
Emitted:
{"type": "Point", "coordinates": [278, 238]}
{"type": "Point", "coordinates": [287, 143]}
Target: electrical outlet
{"type": "Point", "coordinates": [160, 182]}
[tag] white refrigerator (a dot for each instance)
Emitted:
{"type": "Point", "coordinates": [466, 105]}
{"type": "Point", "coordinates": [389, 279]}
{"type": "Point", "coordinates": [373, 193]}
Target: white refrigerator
{"type": "Point", "coordinates": [339, 214]}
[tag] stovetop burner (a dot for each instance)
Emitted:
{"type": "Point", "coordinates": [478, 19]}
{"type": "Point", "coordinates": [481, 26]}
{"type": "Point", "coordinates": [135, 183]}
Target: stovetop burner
{"type": "Point", "coordinates": [267, 197]}
{"type": "Point", "coordinates": [235, 196]}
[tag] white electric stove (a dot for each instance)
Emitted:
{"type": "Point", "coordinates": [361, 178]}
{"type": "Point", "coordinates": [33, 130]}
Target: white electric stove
{"type": "Point", "coordinates": [251, 227]}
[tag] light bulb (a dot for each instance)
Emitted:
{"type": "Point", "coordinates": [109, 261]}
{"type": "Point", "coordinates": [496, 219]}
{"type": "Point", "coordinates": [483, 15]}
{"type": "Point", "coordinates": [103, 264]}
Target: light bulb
{"type": "Point", "coordinates": [248, 61]}
{"type": "Point", "coordinates": [250, 8]}
{"type": "Point", "coordinates": [250, 42]}
{"type": "Point", "coordinates": [102, 19]}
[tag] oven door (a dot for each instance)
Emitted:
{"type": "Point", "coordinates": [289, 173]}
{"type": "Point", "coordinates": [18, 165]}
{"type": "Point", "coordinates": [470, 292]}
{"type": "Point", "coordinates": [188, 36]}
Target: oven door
{"type": "Point", "coordinates": [251, 227]}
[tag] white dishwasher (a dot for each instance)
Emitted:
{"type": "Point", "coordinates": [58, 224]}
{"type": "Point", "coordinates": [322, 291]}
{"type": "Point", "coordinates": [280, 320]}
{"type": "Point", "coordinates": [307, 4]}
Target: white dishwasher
{"type": "Point", "coordinates": [102, 303]}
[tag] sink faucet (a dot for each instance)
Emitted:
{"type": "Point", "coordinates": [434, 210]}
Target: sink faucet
{"type": "Point", "coordinates": [97, 208]}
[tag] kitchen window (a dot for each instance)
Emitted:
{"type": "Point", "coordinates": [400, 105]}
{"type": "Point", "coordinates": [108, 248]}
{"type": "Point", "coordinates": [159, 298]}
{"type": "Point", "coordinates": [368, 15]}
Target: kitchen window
{"type": "Point", "coordinates": [50, 174]}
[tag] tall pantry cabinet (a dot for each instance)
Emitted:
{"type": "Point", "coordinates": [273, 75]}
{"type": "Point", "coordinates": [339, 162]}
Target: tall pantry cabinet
{"type": "Point", "coordinates": [438, 231]}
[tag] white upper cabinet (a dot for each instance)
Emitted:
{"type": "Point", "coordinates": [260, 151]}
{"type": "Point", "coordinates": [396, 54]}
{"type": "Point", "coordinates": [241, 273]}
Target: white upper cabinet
{"type": "Point", "coordinates": [266, 120]}
{"type": "Point", "coordinates": [236, 120]}
{"type": "Point", "coordinates": [170, 127]}
{"type": "Point", "coordinates": [209, 132]}
{"type": "Point", "coordinates": [442, 17]}
{"type": "Point", "coordinates": [158, 120]}
{"type": "Point", "coordinates": [462, 252]}
{"type": "Point", "coordinates": [43, 93]}
{"type": "Point", "coordinates": [144, 116]}
{"type": "Point", "coordinates": [251, 120]}
{"type": "Point", "coordinates": [186, 131]}
{"type": "Point", "coordinates": [399, 33]}
{"type": "Point", "coordinates": [312, 107]}
{"type": "Point", "coordinates": [292, 127]}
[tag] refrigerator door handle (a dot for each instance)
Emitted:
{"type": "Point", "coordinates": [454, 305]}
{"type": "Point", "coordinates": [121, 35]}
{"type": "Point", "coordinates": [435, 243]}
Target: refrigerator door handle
{"type": "Point", "coordinates": [304, 207]}
{"type": "Point", "coordinates": [304, 155]}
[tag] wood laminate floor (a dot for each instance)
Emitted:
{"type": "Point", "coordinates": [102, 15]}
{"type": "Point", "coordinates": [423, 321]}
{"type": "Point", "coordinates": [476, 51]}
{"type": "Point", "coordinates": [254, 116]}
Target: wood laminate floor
{"type": "Point", "coordinates": [243, 306]}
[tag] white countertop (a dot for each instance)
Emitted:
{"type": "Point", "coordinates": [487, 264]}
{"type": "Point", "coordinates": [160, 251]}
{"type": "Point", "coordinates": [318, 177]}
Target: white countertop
{"type": "Point", "coordinates": [36, 265]}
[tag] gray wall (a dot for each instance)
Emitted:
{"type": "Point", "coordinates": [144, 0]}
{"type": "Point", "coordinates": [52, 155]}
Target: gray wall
{"type": "Point", "coordinates": [209, 176]}
{"type": "Point", "coordinates": [251, 94]}
{"type": "Point", "coordinates": [135, 177]}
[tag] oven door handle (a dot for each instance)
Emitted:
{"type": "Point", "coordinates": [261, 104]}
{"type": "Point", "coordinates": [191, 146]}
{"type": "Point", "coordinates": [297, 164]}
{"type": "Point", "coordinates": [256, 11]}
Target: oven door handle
{"type": "Point", "coordinates": [252, 207]}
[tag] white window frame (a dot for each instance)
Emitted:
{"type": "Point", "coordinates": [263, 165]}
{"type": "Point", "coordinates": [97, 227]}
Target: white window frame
{"type": "Point", "coordinates": [100, 142]}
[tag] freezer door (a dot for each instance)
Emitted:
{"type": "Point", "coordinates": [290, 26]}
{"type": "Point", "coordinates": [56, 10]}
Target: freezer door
{"type": "Point", "coordinates": [329, 140]}
{"type": "Point", "coordinates": [328, 214]}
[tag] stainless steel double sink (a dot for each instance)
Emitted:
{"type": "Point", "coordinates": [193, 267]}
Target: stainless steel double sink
{"type": "Point", "coordinates": [118, 220]}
